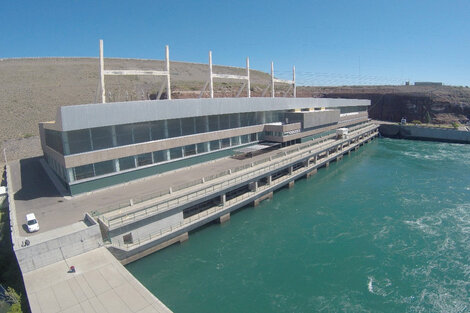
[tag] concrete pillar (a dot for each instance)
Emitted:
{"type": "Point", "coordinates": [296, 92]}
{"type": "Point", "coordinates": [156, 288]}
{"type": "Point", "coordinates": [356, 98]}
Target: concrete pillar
{"type": "Point", "coordinates": [315, 159]}
{"type": "Point", "coordinates": [70, 176]}
{"type": "Point", "coordinates": [116, 165]}
{"type": "Point", "coordinates": [264, 197]}
{"type": "Point", "coordinates": [311, 173]}
{"type": "Point", "coordinates": [253, 186]}
{"type": "Point", "coordinates": [224, 218]}
{"type": "Point", "coordinates": [223, 199]}
{"type": "Point", "coordinates": [291, 169]}
{"type": "Point", "coordinates": [183, 237]}
{"type": "Point", "coordinates": [291, 184]}
{"type": "Point", "coordinates": [327, 164]}
{"type": "Point", "coordinates": [327, 153]}
{"type": "Point", "coordinates": [269, 179]}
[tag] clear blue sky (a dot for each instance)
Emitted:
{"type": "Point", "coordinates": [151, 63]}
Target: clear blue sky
{"type": "Point", "coordinates": [329, 41]}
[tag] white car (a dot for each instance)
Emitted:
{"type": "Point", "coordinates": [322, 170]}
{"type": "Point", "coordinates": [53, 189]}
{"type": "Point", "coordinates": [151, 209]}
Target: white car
{"type": "Point", "coordinates": [32, 222]}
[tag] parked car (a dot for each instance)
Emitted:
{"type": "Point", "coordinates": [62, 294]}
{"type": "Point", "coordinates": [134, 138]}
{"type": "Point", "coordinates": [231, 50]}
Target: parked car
{"type": "Point", "coordinates": [32, 222]}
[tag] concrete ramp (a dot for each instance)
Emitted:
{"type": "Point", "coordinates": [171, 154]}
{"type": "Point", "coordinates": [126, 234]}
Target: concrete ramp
{"type": "Point", "coordinates": [100, 284]}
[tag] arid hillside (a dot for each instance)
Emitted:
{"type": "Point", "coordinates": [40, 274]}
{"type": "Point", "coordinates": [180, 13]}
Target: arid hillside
{"type": "Point", "coordinates": [32, 89]}
{"type": "Point", "coordinates": [439, 105]}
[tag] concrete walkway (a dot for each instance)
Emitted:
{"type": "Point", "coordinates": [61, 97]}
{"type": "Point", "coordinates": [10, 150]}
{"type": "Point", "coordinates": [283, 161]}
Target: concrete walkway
{"type": "Point", "coordinates": [100, 284]}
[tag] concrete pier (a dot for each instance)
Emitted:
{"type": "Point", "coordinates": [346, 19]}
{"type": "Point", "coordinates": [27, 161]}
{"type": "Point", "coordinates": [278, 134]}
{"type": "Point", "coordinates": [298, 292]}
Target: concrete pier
{"type": "Point", "coordinates": [264, 197]}
{"type": "Point", "coordinates": [99, 284]}
{"type": "Point", "coordinates": [291, 184]}
{"type": "Point", "coordinates": [311, 173]}
{"type": "Point", "coordinates": [224, 218]}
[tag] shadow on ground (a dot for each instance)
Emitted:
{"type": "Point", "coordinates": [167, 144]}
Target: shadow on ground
{"type": "Point", "coordinates": [34, 181]}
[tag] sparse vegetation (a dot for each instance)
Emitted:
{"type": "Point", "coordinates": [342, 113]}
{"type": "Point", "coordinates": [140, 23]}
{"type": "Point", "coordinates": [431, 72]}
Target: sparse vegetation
{"type": "Point", "coordinates": [416, 122]}
{"type": "Point", "coordinates": [10, 274]}
{"type": "Point", "coordinates": [455, 125]}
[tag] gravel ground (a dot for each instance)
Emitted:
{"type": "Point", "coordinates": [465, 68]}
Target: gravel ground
{"type": "Point", "coordinates": [31, 90]}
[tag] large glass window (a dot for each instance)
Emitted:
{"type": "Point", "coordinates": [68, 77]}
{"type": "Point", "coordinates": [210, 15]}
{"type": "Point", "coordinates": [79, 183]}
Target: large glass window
{"type": "Point", "coordinates": [124, 134]}
{"type": "Point", "coordinates": [201, 124]}
{"type": "Point", "coordinates": [201, 147]}
{"type": "Point", "coordinates": [79, 140]}
{"type": "Point", "coordinates": [54, 140]}
{"type": "Point", "coordinates": [224, 121]}
{"type": "Point", "coordinates": [189, 150]}
{"type": "Point", "coordinates": [225, 142]}
{"type": "Point", "coordinates": [160, 156]}
{"type": "Point", "coordinates": [244, 120]}
{"type": "Point", "coordinates": [105, 167]}
{"type": "Point", "coordinates": [187, 125]}
{"type": "Point", "coordinates": [235, 141]}
{"type": "Point", "coordinates": [234, 120]}
{"type": "Point", "coordinates": [174, 128]}
{"type": "Point", "coordinates": [102, 137]}
{"type": "Point", "coordinates": [245, 139]}
{"type": "Point", "coordinates": [215, 145]}
{"type": "Point", "coordinates": [260, 117]}
{"type": "Point", "coordinates": [84, 171]}
{"type": "Point", "coordinates": [213, 123]}
{"type": "Point", "coordinates": [176, 153]}
{"type": "Point", "coordinates": [141, 132]}
{"type": "Point", "coordinates": [158, 130]}
{"type": "Point", "coordinates": [254, 137]}
{"type": "Point", "coordinates": [126, 163]}
{"type": "Point", "coordinates": [144, 159]}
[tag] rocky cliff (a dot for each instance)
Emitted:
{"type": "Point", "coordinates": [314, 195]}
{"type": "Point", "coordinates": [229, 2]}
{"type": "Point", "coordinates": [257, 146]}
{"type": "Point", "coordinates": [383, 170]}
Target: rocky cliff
{"type": "Point", "coordinates": [440, 105]}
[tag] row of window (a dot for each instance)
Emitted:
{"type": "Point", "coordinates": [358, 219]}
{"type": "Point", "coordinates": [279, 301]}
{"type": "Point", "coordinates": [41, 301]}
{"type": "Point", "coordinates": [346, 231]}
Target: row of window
{"type": "Point", "coordinates": [85, 140]}
{"type": "Point", "coordinates": [130, 162]}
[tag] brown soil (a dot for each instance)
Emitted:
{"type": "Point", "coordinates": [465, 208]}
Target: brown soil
{"type": "Point", "coordinates": [32, 89]}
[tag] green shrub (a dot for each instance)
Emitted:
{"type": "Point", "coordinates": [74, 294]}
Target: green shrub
{"type": "Point", "coordinates": [16, 306]}
{"type": "Point", "coordinates": [416, 122]}
{"type": "Point", "coordinates": [455, 125]}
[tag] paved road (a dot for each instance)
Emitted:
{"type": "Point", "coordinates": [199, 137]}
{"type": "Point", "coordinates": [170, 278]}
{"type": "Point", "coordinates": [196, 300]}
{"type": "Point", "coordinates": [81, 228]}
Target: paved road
{"type": "Point", "coordinates": [35, 192]}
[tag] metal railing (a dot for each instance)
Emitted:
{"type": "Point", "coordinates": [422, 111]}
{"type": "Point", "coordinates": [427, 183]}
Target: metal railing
{"type": "Point", "coordinates": [216, 208]}
{"type": "Point", "coordinates": [166, 204]}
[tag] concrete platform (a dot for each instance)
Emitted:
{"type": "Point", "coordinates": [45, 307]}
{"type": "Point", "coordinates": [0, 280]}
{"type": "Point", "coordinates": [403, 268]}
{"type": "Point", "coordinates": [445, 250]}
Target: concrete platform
{"type": "Point", "coordinates": [34, 191]}
{"type": "Point", "coordinates": [100, 284]}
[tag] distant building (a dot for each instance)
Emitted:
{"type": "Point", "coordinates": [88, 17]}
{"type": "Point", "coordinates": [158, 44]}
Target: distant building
{"type": "Point", "coordinates": [431, 84]}
{"type": "Point", "coordinates": [93, 146]}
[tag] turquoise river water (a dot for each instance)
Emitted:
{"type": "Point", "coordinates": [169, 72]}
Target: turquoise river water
{"type": "Point", "coordinates": [385, 230]}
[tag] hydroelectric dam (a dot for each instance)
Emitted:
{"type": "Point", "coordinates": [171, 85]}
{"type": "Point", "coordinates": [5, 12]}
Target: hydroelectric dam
{"type": "Point", "coordinates": [119, 181]}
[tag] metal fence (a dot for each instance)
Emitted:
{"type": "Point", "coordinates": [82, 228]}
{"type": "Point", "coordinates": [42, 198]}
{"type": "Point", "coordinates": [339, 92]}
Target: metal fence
{"type": "Point", "coordinates": [216, 208]}
{"type": "Point", "coordinates": [138, 213]}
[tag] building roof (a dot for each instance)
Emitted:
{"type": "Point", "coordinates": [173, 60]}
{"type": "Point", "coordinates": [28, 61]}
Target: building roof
{"type": "Point", "coordinates": [106, 114]}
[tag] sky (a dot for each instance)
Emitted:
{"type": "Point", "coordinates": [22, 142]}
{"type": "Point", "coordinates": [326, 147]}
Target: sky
{"type": "Point", "coordinates": [330, 42]}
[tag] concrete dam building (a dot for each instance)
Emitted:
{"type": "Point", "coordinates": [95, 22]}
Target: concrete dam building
{"type": "Point", "coordinates": [93, 146]}
{"type": "Point", "coordinates": [201, 158]}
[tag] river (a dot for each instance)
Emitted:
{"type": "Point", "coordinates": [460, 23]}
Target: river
{"type": "Point", "coordinates": [387, 229]}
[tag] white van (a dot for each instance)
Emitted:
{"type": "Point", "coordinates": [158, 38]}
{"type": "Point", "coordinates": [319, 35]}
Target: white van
{"type": "Point", "coordinates": [32, 222]}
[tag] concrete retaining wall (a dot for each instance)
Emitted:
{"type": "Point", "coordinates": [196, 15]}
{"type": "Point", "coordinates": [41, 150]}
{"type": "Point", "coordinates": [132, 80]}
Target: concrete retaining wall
{"type": "Point", "coordinates": [144, 228]}
{"type": "Point", "coordinates": [44, 253]}
{"type": "Point", "coordinates": [425, 133]}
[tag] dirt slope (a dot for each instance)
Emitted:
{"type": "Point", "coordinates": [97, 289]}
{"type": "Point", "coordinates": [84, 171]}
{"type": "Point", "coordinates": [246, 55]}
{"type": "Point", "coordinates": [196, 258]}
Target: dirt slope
{"type": "Point", "coordinates": [32, 89]}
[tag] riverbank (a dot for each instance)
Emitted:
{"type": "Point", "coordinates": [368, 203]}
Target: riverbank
{"type": "Point", "coordinates": [416, 132]}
